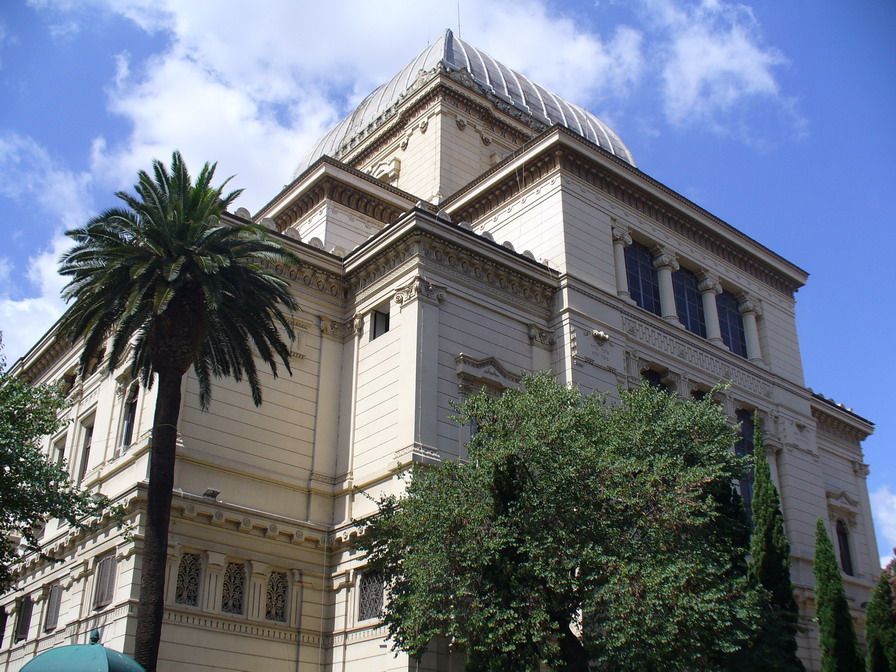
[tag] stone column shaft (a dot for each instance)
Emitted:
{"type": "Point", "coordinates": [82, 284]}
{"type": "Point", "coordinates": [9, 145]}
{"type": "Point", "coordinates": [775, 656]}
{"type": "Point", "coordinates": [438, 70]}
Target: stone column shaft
{"type": "Point", "coordinates": [621, 238]}
{"type": "Point", "coordinates": [709, 287]}
{"type": "Point", "coordinates": [749, 310]}
{"type": "Point", "coordinates": [665, 262]}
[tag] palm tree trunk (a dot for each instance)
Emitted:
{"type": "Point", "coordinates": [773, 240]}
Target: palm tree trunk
{"type": "Point", "coordinates": [158, 513]}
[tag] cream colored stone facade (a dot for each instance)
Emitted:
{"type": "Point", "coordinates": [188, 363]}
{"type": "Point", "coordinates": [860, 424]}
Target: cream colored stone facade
{"type": "Point", "coordinates": [496, 246]}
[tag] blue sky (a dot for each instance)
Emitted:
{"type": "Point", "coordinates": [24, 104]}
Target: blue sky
{"type": "Point", "coordinates": [776, 116]}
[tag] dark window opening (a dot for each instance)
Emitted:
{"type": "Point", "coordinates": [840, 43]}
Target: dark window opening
{"type": "Point", "coordinates": [743, 447]}
{"type": "Point", "coordinates": [23, 619]}
{"type": "Point", "coordinates": [370, 596]}
{"type": "Point", "coordinates": [130, 417]}
{"type": "Point", "coordinates": [54, 599]}
{"type": "Point", "coordinates": [731, 323]}
{"type": "Point", "coordinates": [85, 450]}
{"type": "Point", "coordinates": [843, 543]}
{"type": "Point", "coordinates": [688, 301]}
{"type": "Point", "coordinates": [379, 324]}
{"type": "Point", "coordinates": [643, 285]}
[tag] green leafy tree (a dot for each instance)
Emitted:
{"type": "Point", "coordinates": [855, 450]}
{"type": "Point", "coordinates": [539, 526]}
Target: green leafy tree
{"type": "Point", "coordinates": [775, 647]}
{"type": "Point", "coordinates": [33, 489]}
{"type": "Point", "coordinates": [836, 635]}
{"type": "Point", "coordinates": [880, 625]}
{"type": "Point", "coordinates": [577, 532]}
{"type": "Point", "coordinates": [175, 287]}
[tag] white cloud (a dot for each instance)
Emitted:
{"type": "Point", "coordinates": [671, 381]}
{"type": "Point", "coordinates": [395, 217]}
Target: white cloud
{"type": "Point", "coordinates": [29, 296]}
{"type": "Point", "coordinates": [713, 60]}
{"type": "Point", "coordinates": [883, 504]}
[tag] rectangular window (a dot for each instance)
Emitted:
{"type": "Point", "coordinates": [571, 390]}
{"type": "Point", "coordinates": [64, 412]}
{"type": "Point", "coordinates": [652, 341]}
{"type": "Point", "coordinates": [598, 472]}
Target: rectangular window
{"type": "Point", "coordinates": [744, 446]}
{"type": "Point", "coordinates": [58, 455]}
{"type": "Point", "coordinates": [129, 417]}
{"type": "Point", "coordinates": [23, 618]}
{"type": "Point", "coordinates": [379, 323]}
{"type": "Point", "coordinates": [86, 441]}
{"type": "Point", "coordinates": [370, 596]}
{"type": "Point", "coordinates": [688, 302]}
{"type": "Point", "coordinates": [643, 285]}
{"type": "Point", "coordinates": [104, 578]}
{"type": "Point", "coordinates": [3, 619]}
{"type": "Point", "coordinates": [234, 588]}
{"type": "Point", "coordinates": [54, 599]}
{"type": "Point", "coordinates": [731, 323]}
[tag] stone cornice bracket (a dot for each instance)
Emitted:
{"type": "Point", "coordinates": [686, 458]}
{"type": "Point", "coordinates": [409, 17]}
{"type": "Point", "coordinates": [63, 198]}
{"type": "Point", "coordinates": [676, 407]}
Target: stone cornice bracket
{"type": "Point", "coordinates": [420, 288]}
{"type": "Point", "coordinates": [621, 235]}
{"type": "Point", "coordinates": [709, 283]}
{"type": "Point", "coordinates": [664, 258]}
{"type": "Point", "coordinates": [542, 336]}
{"type": "Point", "coordinates": [355, 326]}
{"type": "Point", "coordinates": [860, 469]}
{"type": "Point", "coordinates": [330, 327]}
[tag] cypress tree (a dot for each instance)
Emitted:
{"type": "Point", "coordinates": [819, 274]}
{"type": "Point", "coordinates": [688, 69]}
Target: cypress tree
{"type": "Point", "coordinates": [836, 636]}
{"type": "Point", "coordinates": [775, 648]}
{"type": "Point", "coordinates": [880, 627]}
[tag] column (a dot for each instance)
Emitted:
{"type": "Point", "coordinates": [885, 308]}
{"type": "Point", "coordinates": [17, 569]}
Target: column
{"type": "Point", "coordinates": [749, 309]}
{"type": "Point", "coordinates": [709, 286]}
{"type": "Point", "coordinates": [214, 580]}
{"type": "Point", "coordinates": [621, 238]}
{"type": "Point", "coordinates": [257, 589]}
{"type": "Point", "coordinates": [665, 262]}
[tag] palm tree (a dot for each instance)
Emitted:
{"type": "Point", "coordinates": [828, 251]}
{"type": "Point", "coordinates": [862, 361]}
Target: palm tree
{"type": "Point", "coordinates": [174, 287]}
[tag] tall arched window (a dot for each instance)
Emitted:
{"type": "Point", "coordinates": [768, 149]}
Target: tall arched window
{"type": "Point", "coordinates": [643, 286]}
{"type": "Point", "coordinates": [129, 417]}
{"type": "Point", "coordinates": [189, 572]}
{"type": "Point", "coordinates": [843, 543]}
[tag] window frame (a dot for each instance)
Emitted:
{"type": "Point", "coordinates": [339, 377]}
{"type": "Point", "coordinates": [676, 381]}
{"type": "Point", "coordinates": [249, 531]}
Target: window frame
{"type": "Point", "coordinates": [379, 322]}
{"type": "Point", "coordinates": [731, 323]}
{"type": "Point", "coordinates": [129, 412]}
{"type": "Point", "coordinates": [88, 425]}
{"type": "Point", "coordinates": [54, 602]}
{"type": "Point", "coordinates": [368, 575]}
{"type": "Point", "coordinates": [643, 280]}
{"type": "Point", "coordinates": [18, 635]}
{"type": "Point", "coordinates": [199, 577]}
{"type": "Point", "coordinates": [689, 301]}
{"type": "Point", "coordinates": [104, 578]}
{"type": "Point", "coordinates": [243, 588]}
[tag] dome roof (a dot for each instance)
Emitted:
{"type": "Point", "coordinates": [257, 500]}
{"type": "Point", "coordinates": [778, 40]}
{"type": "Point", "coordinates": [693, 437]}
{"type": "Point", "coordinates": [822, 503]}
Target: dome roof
{"type": "Point", "coordinates": [453, 54]}
{"type": "Point", "coordinates": [93, 657]}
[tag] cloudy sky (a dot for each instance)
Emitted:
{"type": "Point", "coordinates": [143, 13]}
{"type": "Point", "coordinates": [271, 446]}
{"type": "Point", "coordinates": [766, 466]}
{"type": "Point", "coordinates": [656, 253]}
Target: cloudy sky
{"type": "Point", "coordinates": [776, 116]}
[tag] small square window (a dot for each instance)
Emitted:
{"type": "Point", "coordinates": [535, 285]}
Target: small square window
{"type": "Point", "coordinates": [379, 323]}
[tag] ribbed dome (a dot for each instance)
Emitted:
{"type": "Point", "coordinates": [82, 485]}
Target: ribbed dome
{"type": "Point", "coordinates": [452, 54]}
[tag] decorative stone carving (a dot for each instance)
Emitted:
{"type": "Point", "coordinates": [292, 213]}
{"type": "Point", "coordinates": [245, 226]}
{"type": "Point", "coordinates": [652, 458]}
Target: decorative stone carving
{"type": "Point", "coordinates": [275, 597]}
{"type": "Point", "coordinates": [461, 123]}
{"type": "Point", "coordinates": [621, 235]}
{"type": "Point", "coordinates": [678, 347]}
{"type": "Point", "coordinates": [474, 374]}
{"type": "Point", "coordinates": [543, 336]}
{"type": "Point", "coordinates": [860, 469]}
{"type": "Point", "coordinates": [709, 283]}
{"type": "Point", "coordinates": [421, 288]}
{"type": "Point", "coordinates": [189, 571]}
{"type": "Point", "coordinates": [663, 258]}
{"type": "Point", "coordinates": [234, 587]}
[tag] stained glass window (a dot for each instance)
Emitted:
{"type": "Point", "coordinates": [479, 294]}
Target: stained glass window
{"type": "Point", "coordinates": [688, 302]}
{"type": "Point", "coordinates": [643, 285]}
{"type": "Point", "coordinates": [275, 609]}
{"type": "Point", "coordinates": [234, 588]}
{"type": "Point", "coordinates": [188, 575]}
{"type": "Point", "coordinates": [370, 596]}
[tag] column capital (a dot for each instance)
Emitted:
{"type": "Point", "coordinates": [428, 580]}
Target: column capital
{"type": "Point", "coordinates": [622, 235]}
{"type": "Point", "coordinates": [663, 258]}
{"type": "Point", "coordinates": [749, 305]}
{"type": "Point", "coordinates": [709, 283]}
{"type": "Point", "coordinates": [217, 560]}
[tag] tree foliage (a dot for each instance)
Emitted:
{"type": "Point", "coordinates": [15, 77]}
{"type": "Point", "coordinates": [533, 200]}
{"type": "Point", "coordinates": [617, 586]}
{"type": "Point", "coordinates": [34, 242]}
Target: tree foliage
{"type": "Point", "coordinates": [775, 648]}
{"type": "Point", "coordinates": [33, 490]}
{"type": "Point", "coordinates": [836, 635]}
{"type": "Point", "coordinates": [577, 530]}
{"type": "Point", "coordinates": [175, 287]}
{"type": "Point", "coordinates": [880, 625]}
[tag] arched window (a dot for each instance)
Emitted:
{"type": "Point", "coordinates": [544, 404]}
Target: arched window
{"type": "Point", "coordinates": [688, 302]}
{"type": "Point", "coordinates": [744, 446]}
{"type": "Point", "coordinates": [731, 323]}
{"type": "Point", "coordinates": [843, 543]}
{"type": "Point", "coordinates": [189, 571]}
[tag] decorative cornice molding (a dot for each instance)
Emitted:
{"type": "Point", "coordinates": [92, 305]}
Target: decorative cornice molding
{"type": "Point", "coordinates": [541, 336]}
{"type": "Point", "coordinates": [457, 259]}
{"type": "Point", "coordinates": [475, 373]}
{"type": "Point", "coordinates": [331, 189]}
{"type": "Point", "coordinates": [311, 277]}
{"type": "Point", "coordinates": [837, 428]}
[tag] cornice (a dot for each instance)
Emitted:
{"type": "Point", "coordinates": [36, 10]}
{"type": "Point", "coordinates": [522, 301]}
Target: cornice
{"type": "Point", "coordinates": [579, 158]}
{"type": "Point", "coordinates": [840, 425]}
{"type": "Point", "coordinates": [454, 257]}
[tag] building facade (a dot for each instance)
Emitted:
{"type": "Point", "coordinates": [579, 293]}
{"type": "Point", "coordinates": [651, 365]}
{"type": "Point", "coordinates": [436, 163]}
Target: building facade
{"type": "Point", "coordinates": [461, 227]}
